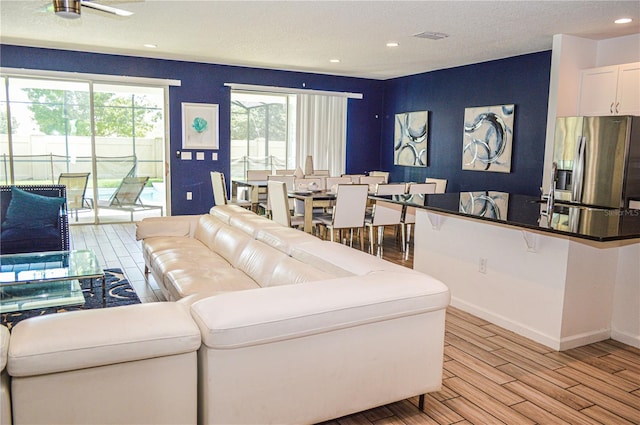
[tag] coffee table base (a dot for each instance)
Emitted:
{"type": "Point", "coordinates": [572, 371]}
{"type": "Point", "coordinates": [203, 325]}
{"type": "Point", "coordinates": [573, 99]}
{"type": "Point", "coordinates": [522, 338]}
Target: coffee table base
{"type": "Point", "coordinates": [40, 295]}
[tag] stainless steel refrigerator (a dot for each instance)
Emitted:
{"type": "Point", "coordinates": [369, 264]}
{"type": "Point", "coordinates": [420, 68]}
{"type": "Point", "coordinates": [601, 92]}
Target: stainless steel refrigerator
{"type": "Point", "coordinates": [598, 160]}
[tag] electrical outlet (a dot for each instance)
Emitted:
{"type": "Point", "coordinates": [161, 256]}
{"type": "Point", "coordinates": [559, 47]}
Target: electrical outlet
{"type": "Point", "coordinates": [189, 196]}
{"type": "Point", "coordinates": [482, 267]}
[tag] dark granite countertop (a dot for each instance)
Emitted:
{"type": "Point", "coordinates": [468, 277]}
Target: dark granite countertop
{"type": "Point", "coordinates": [524, 211]}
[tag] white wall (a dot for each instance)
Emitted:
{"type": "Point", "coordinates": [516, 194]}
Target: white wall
{"type": "Point", "coordinates": [625, 321]}
{"type": "Point", "coordinates": [615, 51]}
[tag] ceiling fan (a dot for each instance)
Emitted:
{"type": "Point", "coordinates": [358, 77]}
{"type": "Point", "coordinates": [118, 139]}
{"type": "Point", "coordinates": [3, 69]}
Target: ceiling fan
{"type": "Point", "coordinates": [70, 9]}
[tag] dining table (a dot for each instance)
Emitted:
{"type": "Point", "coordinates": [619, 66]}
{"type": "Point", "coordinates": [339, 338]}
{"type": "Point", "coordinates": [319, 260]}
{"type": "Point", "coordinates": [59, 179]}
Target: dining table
{"type": "Point", "coordinates": [312, 199]}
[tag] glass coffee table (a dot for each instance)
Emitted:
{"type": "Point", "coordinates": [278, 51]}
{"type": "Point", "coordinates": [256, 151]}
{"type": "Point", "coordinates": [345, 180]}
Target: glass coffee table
{"type": "Point", "coordinates": [46, 279]}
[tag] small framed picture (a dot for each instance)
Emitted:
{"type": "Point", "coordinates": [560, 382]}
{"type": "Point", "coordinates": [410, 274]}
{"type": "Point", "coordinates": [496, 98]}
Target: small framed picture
{"type": "Point", "coordinates": [200, 126]}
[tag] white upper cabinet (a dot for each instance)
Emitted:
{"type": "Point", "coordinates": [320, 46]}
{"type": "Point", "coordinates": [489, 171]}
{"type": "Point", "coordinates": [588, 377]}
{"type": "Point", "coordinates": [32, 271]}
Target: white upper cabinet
{"type": "Point", "coordinates": [610, 90]}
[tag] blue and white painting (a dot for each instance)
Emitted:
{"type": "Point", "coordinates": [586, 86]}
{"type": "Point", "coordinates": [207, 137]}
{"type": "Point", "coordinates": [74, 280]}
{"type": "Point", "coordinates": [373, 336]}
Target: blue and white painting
{"type": "Point", "coordinates": [410, 139]}
{"type": "Point", "coordinates": [488, 138]}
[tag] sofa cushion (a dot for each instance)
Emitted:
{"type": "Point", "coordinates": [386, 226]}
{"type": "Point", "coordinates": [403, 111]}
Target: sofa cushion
{"type": "Point", "coordinates": [258, 261]}
{"type": "Point", "coordinates": [283, 238]}
{"type": "Point", "coordinates": [29, 210]}
{"type": "Point", "coordinates": [206, 230]}
{"type": "Point", "coordinates": [17, 240]}
{"type": "Point", "coordinates": [337, 258]}
{"type": "Point", "coordinates": [225, 212]}
{"type": "Point", "coordinates": [289, 271]}
{"type": "Point", "coordinates": [229, 243]}
{"type": "Point", "coordinates": [61, 342]}
{"type": "Point", "coordinates": [251, 224]}
{"type": "Point", "coordinates": [185, 282]}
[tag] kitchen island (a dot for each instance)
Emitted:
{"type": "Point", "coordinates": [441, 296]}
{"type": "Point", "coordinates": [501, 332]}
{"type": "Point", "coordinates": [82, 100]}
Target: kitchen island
{"type": "Point", "coordinates": [565, 280]}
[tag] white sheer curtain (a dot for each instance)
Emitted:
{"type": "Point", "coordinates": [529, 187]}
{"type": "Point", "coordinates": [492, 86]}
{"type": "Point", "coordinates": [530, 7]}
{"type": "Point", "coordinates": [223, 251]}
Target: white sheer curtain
{"type": "Point", "coordinates": [322, 132]}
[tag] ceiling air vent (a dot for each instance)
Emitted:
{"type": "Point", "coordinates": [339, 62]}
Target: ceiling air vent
{"type": "Point", "coordinates": [431, 35]}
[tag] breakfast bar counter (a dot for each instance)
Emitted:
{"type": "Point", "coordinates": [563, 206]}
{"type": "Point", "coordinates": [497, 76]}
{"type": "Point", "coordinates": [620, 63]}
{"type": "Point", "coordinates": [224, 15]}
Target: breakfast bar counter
{"type": "Point", "coordinates": [564, 280]}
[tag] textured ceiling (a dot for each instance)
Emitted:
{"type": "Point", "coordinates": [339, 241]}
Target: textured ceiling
{"type": "Point", "coordinates": [305, 35]}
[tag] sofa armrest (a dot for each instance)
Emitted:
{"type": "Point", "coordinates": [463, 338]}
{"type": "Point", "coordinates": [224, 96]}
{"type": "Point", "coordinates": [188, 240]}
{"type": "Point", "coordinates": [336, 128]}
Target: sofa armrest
{"type": "Point", "coordinates": [177, 225]}
{"type": "Point", "coordinates": [4, 346]}
{"type": "Point", "coordinates": [247, 318]}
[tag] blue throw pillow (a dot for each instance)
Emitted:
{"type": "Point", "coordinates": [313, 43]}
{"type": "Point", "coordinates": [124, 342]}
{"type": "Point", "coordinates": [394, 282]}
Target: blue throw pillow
{"type": "Point", "coordinates": [29, 210]}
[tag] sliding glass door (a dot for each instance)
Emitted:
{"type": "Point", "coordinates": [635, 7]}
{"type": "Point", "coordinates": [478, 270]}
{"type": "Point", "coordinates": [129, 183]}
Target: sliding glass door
{"type": "Point", "coordinates": [87, 135]}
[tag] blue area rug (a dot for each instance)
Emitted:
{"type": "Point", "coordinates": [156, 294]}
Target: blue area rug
{"type": "Point", "coordinates": [119, 292]}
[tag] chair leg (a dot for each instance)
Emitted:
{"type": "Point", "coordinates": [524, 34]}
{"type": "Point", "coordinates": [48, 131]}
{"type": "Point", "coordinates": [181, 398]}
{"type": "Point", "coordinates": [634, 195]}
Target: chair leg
{"type": "Point", "coordinates": [380, 240]}
{"type": "Point", "coordinates": [371, 240]}
{"type": "Point", "coordinates": [421, 402]}
{"type": "Point", "coordinates": [406, 249]}
{"type": "Point", "coordinates": [403, 236]}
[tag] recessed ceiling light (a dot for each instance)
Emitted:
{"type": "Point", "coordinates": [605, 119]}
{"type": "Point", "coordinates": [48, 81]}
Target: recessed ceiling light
{"type": "Point", "coordinates": [150, 46]}
{"type": "Point", "coordinates": [623, 20]}
{"type": "Point", "coordinates": [334, 60]}
{"type": "Point", "coordinates": [392, 44]}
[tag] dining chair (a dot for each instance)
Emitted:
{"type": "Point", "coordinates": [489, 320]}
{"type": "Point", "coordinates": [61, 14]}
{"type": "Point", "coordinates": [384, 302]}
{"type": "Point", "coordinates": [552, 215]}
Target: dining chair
{"type": "Point", "coordinates": [220, 192]}
{"type": "Point", "coordinates": [355, 178]}
{"type": "Point", "coordinates": [416, 192]}
{"type": "Point", "coordinates": [384, 214]}
{"type": "Point", "coordinates": [319, 173]}
{"type": "Point", "coordinates": [384, 174]}
{"type": "Point", "coordinates": [332, 182]}
{"type": "Point", "coordinates": [289, 183]}
{"type": "Point", "coordinates": [280, 212]}
{"type": "Point", "coordinates": [372, 181]}
{"type": "Point", "coordinates": [258, 175]}
{"type": "Point", "coordinates": [348, 212]}
{"type": "Point", "coordinates": [441, 184]}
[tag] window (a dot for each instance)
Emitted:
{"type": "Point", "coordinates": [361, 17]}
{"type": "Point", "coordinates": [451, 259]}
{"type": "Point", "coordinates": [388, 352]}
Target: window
{"type": "Point", "coordinates": [262, 131]}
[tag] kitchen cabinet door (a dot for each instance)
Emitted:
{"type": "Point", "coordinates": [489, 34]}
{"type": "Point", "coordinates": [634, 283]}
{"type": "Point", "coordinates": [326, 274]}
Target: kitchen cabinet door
{"type": "Point", "coordinates": [628, 94]}
{"type": "Point", "coordinates": [610, 90]}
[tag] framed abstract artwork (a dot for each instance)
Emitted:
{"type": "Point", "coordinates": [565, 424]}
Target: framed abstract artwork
{"type": "Point", "coordinates": [199, 126]}
{"type": "Point", "coordinates": [488, 138]}
{"type": "Point", "coordinates": [410, 139]}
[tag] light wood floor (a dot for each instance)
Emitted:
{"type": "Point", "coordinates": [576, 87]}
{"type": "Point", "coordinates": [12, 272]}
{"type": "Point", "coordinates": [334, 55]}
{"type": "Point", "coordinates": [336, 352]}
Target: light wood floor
{"type": "Point", "coordinates": [491, 375]}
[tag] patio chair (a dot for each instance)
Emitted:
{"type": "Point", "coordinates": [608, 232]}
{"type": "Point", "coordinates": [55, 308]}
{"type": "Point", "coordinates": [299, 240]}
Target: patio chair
{"type": "Point", "coordinates": [127, 197]}
{"type": "Point", "coordinates": [76, 184]}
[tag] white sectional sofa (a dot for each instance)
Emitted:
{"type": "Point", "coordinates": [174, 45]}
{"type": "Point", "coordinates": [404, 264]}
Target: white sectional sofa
{"type": "Point", "coordinates": [287, 328]}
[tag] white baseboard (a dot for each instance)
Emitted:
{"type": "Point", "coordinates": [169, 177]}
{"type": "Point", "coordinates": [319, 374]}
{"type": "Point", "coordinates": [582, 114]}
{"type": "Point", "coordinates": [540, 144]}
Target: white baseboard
{"type": "Point", "coordinates": [626, 338]}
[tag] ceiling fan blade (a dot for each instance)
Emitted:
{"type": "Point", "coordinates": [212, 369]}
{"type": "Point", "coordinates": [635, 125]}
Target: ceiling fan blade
{"type": "Point", "coordinates": [104, 8]}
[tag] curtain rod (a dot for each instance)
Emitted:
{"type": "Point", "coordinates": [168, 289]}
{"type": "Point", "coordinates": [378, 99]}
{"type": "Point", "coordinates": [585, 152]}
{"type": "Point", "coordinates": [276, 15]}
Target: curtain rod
{"type": "Point", "coordinates": [26, 72]}
{"type": "Point", "coordinates": [274, 89]}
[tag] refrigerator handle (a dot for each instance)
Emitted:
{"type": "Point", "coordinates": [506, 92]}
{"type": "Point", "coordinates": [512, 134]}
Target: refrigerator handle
{"type": "Point", "coordinates": [578, 170]}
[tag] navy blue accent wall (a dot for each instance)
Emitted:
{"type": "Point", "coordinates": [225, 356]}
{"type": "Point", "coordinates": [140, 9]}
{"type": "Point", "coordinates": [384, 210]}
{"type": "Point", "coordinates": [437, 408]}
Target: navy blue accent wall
{"type": "Point", "coordinates": [204, 83]}
{"type": "Point", "coordinates": [521, 80]}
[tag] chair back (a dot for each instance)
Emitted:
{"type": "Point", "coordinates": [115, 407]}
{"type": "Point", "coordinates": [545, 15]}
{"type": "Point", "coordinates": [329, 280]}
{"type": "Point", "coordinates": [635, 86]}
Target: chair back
{"type": "Point", "coordinates": [390, 189]}
{"type": "Point", "coordinates": [128, 193]}
{"type": "Point", "coordinates": [355, 178]}
{"type": "Point", "coordinates": [418, 190]}
{"type": "Point", "coordinates": [333, 182]}
{"type": "Point", "coordinates": [350, 207]}
{"type": "Point", "coordinates": [287, 180]}
{"type": "Point", "coordinates": [421, 188]}
{"type": "Point", "coordinates": [441, 184]}
{"type": "Point", "coordinates": [279, 202]}
{"type": "Point", "coordinates": [306, 183]}
{"type": "Point", "coordinates": [219, 188]}
{"type": "Point", "coordinates": [285, 172]}
{"type": "Point", "coordinates": [384, 174]}
{"type": "Point", "coordinates": [76, 184]}
{"type": "Point", "coordinates": [319, 173]}
{"type": "Point", "coordinates": [257, 174]}
{"type": "Point", "coordinates": [372, 181]}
